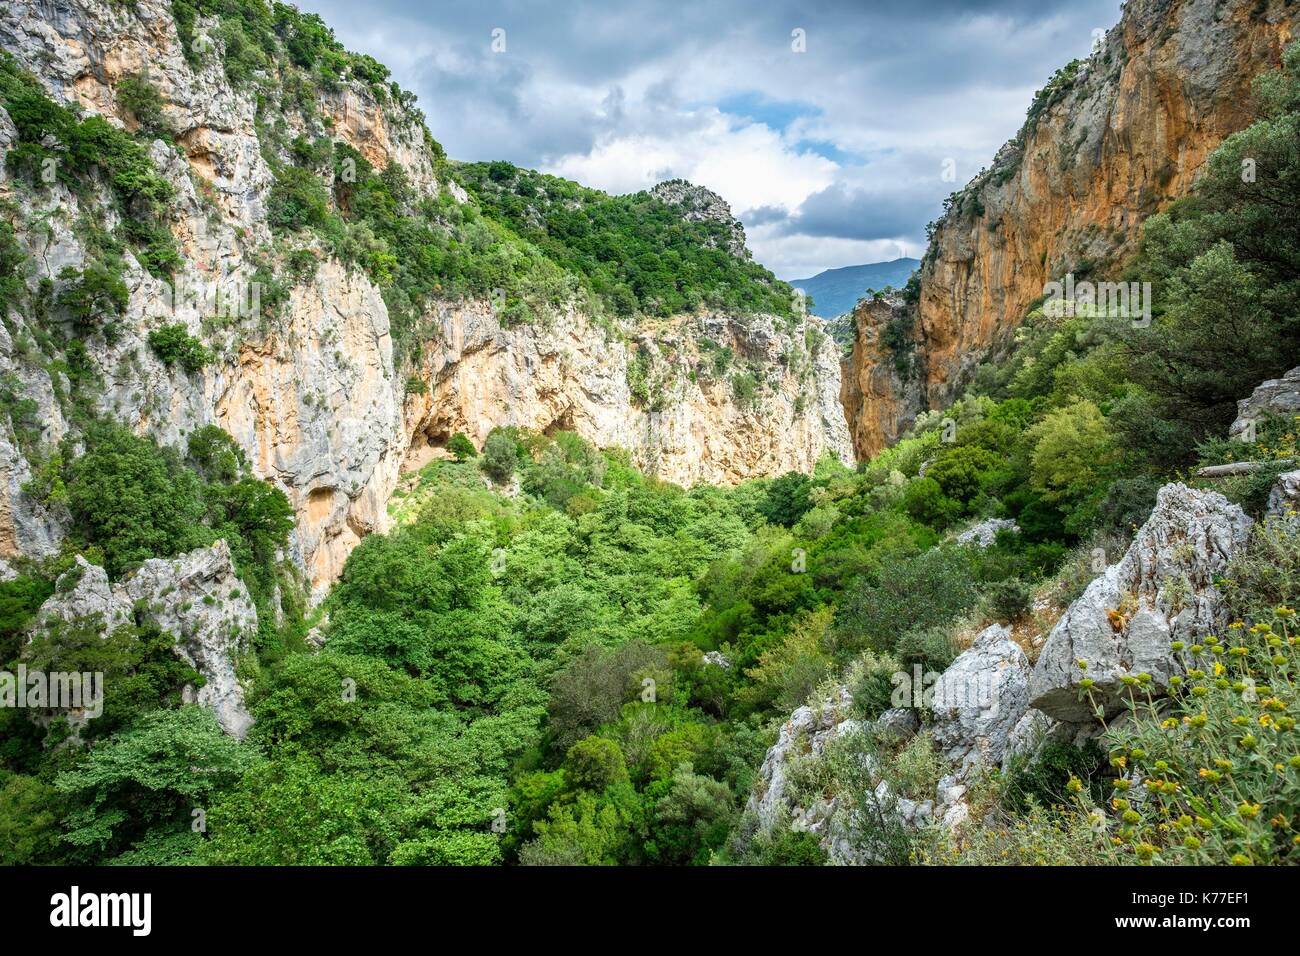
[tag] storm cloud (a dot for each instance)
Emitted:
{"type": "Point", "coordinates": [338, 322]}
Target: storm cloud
{"type": "Point", "coordinates": [833, 155]}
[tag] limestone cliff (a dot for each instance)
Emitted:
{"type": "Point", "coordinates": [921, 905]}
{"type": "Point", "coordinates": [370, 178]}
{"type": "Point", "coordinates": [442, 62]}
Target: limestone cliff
{"type": "Point", "coordinates": [1111, 140]}
{"type": "Point", "coordinates": [315, 390]}
{"type": "Point", "coordinates": [691, 427]}
{"type": "Point", "coordinates": [880, 390]}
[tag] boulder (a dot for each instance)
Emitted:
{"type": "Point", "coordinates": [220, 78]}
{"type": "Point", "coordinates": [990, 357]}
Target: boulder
{"type": "Point", "coordinates": [1161, 591]}
{"type": "Point", "coordinates": [898, 724]}
{"type": "Point", "coordinates": [716, 659]}
{"type": "Point", "coordinates": [1032, 730]}
{"type": "Point", "coordinates": [1284, 498]}
{"type": "Point", "coordinates": [979, 699]}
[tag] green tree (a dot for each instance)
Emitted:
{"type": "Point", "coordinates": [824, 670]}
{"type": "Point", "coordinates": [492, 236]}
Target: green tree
{"type": "Point", "coordinates": [175, 346]}
{"type": "Point", "coordinates": [461, 447]}
{"type": "Point", "coordinates": [142, 99]}
{"type": "Point", "coordinates": [594, 763]}
{"type": "Point", "coordinates": [133, 499]}
{"type": "Point", "coordinates": [1072, 452]}
{"type": "Point", "coordinates": [788, 499]}
{"type": "Point", "coordinates": [151, 776]}
{"type": "Point", "coordinates": [500, 456]}
{"type": "Point", "coordinates": [95, 296]}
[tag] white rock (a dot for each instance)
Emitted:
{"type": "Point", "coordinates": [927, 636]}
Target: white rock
{"type": "Point", "coordinates": [979, 698]}
{"type": "Point", "coordinates": [196, 597]}
{"type": "Point", "coordinates": [1027, 737]}
{"type": "Point", "coordinates": [985, 533]}
{"type": "Point", "coordinates": [1284, 498]}
{"type": "Point", "coordinates": [199, 599]}
{"type": "Point", "coordinates": [1163, 589]}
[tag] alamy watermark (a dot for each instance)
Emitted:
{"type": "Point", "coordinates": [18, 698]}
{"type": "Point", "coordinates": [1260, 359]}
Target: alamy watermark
{"type": "Point", "coordinates": [932, 690]}
{"type": "Point", "coordinates": [229, 298]}
{"type": "Point", "coordinates": [1126, 300]}
{"type": "Point", "coordinates": [53, 690]}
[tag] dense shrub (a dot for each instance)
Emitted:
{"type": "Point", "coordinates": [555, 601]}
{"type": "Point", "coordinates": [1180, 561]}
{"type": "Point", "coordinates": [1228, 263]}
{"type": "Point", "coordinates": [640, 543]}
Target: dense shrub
{"type": "Point", "coordinates": [175, 346]}
{"type": "Point", "coordinates": [930, 589]}
{"type": "Point", "coordinates": [461, 447]}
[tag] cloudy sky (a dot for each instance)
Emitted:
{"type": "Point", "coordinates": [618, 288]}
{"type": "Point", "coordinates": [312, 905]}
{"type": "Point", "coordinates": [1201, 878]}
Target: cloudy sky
{"type": "Point", "coordinates": [831, 156]}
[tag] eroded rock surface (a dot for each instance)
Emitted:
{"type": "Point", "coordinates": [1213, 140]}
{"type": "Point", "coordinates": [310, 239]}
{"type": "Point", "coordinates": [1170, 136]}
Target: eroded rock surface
{"type": "Point", "coordinates": [1161, 591]}
{"type": "Point", "coordinates": [317, 396]}
{"type": "Point", "coordinates": [195, 597]}
{"type": "Point", "coordinates": [1120, 137]}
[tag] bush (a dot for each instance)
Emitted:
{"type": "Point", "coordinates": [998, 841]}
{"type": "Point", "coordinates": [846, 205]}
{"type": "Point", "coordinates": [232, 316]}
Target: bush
{"type": "Point", "coordinates": [787, 847]}
{"type": "Point", "coordinates": [95, 297]}
{"type": "Point", "coordinates": [788, 499]}
{"type": "Point", "coordinates": [1043, 781]}
{"type": "Point", "coordinates": [593, 688]}
{"type": "Point", "coordinates": [925, 501]}
{"type": "Point", "coordinates": [461, 447]}
{"type": "Point", "coordinates": [134, 500]}
{"type": "Point", "coordinates": [500, 456]}
{"type": "Point", "coordinates": [931, 589]}
{"type": "Point", "coordinates": [175, 346]}
{"type": "Point", "coordinates": [1218, 760]}
{"type": "Point", "coordinates": [1010, 600]}
{"type": "Point", "coordinates": [142, 99]}
{"type": "Point", "coordinates": [594, 763]}
{"type": "Point", "coordinates": [870, 681]}
{"type": "Point", "coordinates": [962, 471]}
{"type": "Point", "coordinates": [1127, 504]}
{"type": "Point", "coordinates": [929, 648]}
{"type": "Point", "coordinates": [297, 200]}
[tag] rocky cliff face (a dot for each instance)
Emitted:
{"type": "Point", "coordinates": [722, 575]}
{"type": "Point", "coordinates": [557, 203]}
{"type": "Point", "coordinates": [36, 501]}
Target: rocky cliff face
{"type": "Point", "coordinates": [692, 428]}
{"type": "Point", "coordinates": [1111, 140]}
{"type": "Point", "coordinates": [881, 393]}
{"type": "Point", "coordinates": [316, 396]}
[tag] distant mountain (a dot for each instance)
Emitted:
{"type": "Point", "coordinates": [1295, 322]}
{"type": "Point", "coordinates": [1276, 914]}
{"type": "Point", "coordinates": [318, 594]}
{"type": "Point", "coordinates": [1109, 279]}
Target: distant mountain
{"type": "Point", "coordinates": [836, 291]}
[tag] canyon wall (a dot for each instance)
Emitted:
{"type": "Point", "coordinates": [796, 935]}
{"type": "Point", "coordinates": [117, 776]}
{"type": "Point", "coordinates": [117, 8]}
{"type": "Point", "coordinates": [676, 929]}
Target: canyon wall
{"type": "Point", "coordinates": [316, 396]}
{"type": "Point", "coordinates": [1112, 140]}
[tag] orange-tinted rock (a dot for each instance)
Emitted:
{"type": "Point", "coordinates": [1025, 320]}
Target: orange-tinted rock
{"type": "Point", "coordinates": [1124, 137]}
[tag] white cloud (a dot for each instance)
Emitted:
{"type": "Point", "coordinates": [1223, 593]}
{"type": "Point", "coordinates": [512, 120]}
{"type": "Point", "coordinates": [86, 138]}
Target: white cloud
{"type": "Point", "coordinates": [748, 165]}
{"type": "Point", "coordinates": [800, 257]}
{"type": "Point", "coordinates": [620, 96]}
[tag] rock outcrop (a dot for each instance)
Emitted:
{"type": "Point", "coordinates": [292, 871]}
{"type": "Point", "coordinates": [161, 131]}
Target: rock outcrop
{"type": "Point", "coordinates": [991, 709]}
{"type": "Point", "coordinates": [1284, 498]}
{"type": "Point", "coordinates": [979, 699]}
{"type": "Point", "coordinates": [984, 533]}
{"type": "Point", "coordinates": [977, 702]}
{"type": "Point", "coordinates": [200, 601]}
{"type": "Point", "coordinates": [197, 598]}
{"type": "Point", "coordinates": [693, 428]}
{"type": "Point", "coordinates": [832, 817]}
{"type": "Point", "coordinates": [1276, 397]}
{"type": "Point", "coordinates": [1113, 139]}
{"type": "Point", "coordinates": [880, 390]}
{"type": "Point", "coordinates": [704, 205]}
{"type": "Point", "coordinates": [808, 732]}
{"type": "Point", "coordinates": [1163, 590]}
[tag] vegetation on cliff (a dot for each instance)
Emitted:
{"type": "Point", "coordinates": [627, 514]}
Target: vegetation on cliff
{"type": "Point", "coordinates": [637, 252]}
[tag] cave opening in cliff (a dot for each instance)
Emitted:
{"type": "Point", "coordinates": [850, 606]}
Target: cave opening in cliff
{"type": "Point", "coordinates": [563, 423]}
